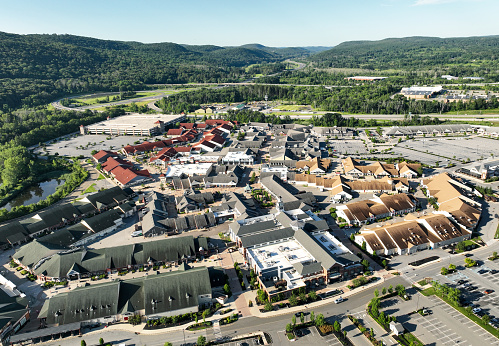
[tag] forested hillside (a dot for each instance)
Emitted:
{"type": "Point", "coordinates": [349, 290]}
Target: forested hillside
{"type": "Point", "coordinates": [462, 56]}
{"type": "Point", "coordinates": [360, 99]}
{"type": "Point", "coordinates": [36, 69]}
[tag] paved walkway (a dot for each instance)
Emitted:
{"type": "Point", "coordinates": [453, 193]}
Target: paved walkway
{"type": "Point", "coordinates": [255, 310]}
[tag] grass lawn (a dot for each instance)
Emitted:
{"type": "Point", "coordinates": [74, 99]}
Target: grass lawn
{"type": "Point", "coordinates": [293, 107]}
{"type": "Point", "coordinates": [90, 189]}
{"type": "Point", "coordinates": [101, 177]}
{"type": "Point", "coordinates": [428, 292]}
{"type": "Point", "coordinates": [422, 282]}
{"type": "Point", "coordinates": [410, 339]}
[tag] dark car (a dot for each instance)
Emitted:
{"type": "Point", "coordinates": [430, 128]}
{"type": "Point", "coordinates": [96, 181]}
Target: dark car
{"type": "Point", "coordinates": [460, 282]}
{"type": "Point", "coordinates": [488, 291]}
{"type": "Point", "coordinates": [468, 255]}
{"type": "Point", "coordinates": [299, 333]}
{"type": "Point", "coordinates": [494, 271]}
{"type": "Point", "coordinates": [483, 271]}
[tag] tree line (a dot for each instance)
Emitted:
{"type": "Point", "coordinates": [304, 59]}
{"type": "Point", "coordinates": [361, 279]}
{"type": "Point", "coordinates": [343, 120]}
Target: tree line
{"type": "Point", "coordinates": [378, 98]}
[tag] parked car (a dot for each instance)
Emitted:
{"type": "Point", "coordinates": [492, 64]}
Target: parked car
{"type": "Point", "coordinates": [483, 271]}
{"type": "Point", "coordinates": [460, 282]}
{"type": "Point", "coordinates": [298, 333]}
{"type": "Point", "coordinates": [476, 310]}
{"type": "Point", "coordinates": [427, 312]}
{"type": "Point", "coordinates": [338, 300]}
{"type": "Point", "coordinates": [494, 271]}
{"type": "Point", "coordinates": [467, 284]}
{"type": "Point", "coordinates": [488, 291]}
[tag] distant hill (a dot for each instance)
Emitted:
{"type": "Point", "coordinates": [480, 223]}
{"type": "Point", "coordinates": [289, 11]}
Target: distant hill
{"type": "Point", "coordinates": [410, 52]}
{"type": "Point", "coordinates": [35, 69]}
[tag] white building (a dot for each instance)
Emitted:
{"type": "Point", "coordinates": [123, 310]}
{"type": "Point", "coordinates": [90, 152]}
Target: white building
{"type": "Point", "coordinates": [239, 158]}
{"type": "Point", "coordinates": [281, 171]}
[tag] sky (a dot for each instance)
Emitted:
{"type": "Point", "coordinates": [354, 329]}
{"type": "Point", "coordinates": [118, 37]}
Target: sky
{"type": "Point", "coordinates": [235, 22]}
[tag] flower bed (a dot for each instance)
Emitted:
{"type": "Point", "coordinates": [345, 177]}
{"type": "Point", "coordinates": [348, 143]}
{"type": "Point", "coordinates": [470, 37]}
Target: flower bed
{"type": "Point", "coordinates": [231, 319]}
{"type": "Point", "coordinates": [199, 326]}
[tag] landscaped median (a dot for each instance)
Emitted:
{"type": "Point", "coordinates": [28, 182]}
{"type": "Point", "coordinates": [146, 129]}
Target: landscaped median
{"type": "Point", "coordinates": [321, 324]}
{"type": "Point", "coordinates": [452, 297]}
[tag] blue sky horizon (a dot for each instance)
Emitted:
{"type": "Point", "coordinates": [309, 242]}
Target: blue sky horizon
{"type": "Point", "coordinates": [276, 23]}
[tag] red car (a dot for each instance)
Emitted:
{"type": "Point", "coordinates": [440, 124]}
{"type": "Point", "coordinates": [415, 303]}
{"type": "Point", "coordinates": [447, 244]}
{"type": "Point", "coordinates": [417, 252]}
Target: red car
{"type": "Point", "coordinates": [488, 291]}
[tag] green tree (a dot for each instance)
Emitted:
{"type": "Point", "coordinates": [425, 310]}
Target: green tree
{"type": "Point", "coordinates": [312, 316]}
{"type": "Point", "coordinates": [16, 165]}
{"type": "Point", "coordinates": [293, 320]}
{"type": "Point", "coordinates": [319, 320]}
{"type": "Point", "coordinates": [452, 267]}
{"type": "Point", "coordinates": [268, 306]}
{"type": "Point", "coordinates": [302, 318]}
{"type": "Point", "coordinates": [83, 343]}
{"type": "Point", "coordinates": [390, 289]}
{"type": "Point", "coordinates": [101, 341]}
{"type": "Point", "coordinates": [444, 271]}
{"type": "Point", "coordinates": [461, 246]}
{"type": "Point", "coordinates": [201, 341]}
{"type": "Point", "coordinates": [376, 293]}
{"type": "Point", "coordinates": [337, 326]}
{"type": "Point", "coordinates": [383, 291]}
{"type": "Point", "coordinates": [227, 289]}
{"type": "Point", "coordinates": [303, 297]}
{"type": "Point", "coordinates": [293, 301]}
{"type": "Point", "coordinates": [364, 246]}
{"type": "Point", "coordinates": [400, 289]}
{"type": "Point", "coordinates": [204, 315]}
{"type": "Point", "coordinates": [312, 296]}
{"type": "Point", "coordinates": [494, 254]}
{"type": "Point", "coordinates": [486, 319]}
{"type": "Point", "coordinates": [168, 344]}
{"type": "Point", "coordinates": [289, 327]}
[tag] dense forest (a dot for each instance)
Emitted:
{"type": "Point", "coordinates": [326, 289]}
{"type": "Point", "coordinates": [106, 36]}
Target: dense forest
{"type": "Point", "coordinates": [360, 99]}
{"type": "Point", "coordinates": [36, 69]}
{"type": "Point", "coordinates": [464, 56]}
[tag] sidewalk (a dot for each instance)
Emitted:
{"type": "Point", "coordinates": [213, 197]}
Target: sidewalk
{"type": "Point", "coordinates": [255, 310]}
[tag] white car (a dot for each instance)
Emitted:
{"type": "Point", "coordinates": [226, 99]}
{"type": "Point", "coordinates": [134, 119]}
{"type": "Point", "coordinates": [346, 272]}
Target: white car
{"type": "Point", "coordinates": [476, 310]}
{"type": "Point", "coordinates": [338, 300]}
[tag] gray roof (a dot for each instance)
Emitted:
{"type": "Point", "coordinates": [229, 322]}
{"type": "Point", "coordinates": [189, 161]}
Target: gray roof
{"type": "Point", "coordinates": [12, 231]}
{"type": "Point", "coordinates": [312, 226]}
{"type": "Point", "coordinates": [164, 250]}
{"type": "Point", "coordinates": [156, 294]}
{"type": "Point", "coordinates": [241, 230]}
{"type": "Point", "coordinates": [58, 214]}
{"type": "Point", "coordinates": [307, 268]}
{"type": "Point", "coordinates": [315, 248]}
{"type": "Point", "coordinates": [266, 236]}
{"type": "Point", "coordinates": [103, 221]}
{"type": "Point", "coordinates": [109, 197]}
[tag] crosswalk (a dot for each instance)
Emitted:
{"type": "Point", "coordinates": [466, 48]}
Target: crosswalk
{"type": "Point", "coordinates": [217, 332]}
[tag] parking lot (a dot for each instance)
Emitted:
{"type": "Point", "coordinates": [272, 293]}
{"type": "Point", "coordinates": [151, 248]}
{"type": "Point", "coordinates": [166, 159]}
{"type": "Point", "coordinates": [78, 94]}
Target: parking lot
{"type": "Point", "coordinates": [245, 342]}
{"type": "Point", "coordinates": [72, 146]}
{"type": "Point", "coordinates": [460, 148]}
{"type": "Point", "coordinates": [425, 158]}
{"type": "Point", "coordinates": [348, 147]}
{"type": "Point", "coordinates": [474, 283]}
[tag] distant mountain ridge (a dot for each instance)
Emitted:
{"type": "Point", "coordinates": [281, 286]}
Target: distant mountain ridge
{"type": "Point", "coordinates": [409, 52]}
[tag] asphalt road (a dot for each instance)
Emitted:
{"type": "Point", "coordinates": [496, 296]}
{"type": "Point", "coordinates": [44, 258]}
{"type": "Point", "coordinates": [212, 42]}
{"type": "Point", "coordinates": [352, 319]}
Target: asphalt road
{"type": "Point", "coordinates": [273, 325]}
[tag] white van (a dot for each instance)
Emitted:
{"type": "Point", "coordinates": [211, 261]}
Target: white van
{"type": "Point", "coordinates": [136, 234]}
